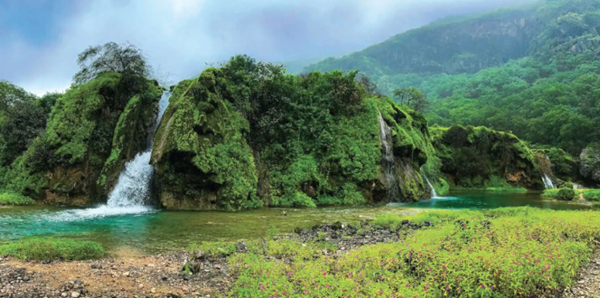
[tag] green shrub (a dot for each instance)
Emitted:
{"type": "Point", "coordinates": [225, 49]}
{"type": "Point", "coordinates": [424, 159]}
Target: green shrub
{"type": "Point", "coordinates": [591, 194]}
{"type": "Point", "coordinates": [565, 194]}
{"type": "Point", "coordinates": [550, 193]}
{"type": "Point", "coordinates": [14, 199]}
{"type": "Point", "coordinates": [48, 249]}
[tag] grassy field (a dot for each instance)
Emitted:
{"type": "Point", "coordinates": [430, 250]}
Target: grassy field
{"type": "Point", "coordinates": [508, 252]}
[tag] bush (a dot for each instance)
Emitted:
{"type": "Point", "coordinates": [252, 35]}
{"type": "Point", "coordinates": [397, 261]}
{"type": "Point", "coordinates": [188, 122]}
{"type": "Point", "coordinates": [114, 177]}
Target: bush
{"type": "Point", "coordinates": [14, 199]}
{"type": "Point", "coordinates": [524, 252]}
{"type": "Point", "coordinates": [565, 194]}
{"type": "Point", "coordinates": [48, 249]}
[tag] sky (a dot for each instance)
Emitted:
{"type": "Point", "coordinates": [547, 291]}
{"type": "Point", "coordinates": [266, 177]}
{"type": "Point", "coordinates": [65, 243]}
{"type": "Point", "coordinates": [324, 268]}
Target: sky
{"type": "Point", "coordinates": [40, 39]}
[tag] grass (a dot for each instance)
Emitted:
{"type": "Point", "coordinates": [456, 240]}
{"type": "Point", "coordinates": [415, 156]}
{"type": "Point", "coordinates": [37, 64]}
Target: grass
{"type": "Point", "coordinates": [507, 252]}
{"type": "Point", "coordinates": [49, 249]}
{"type": "Point", "coordinates": [14, 199]}
{"type": "Point", "coordinates": [592, 195]}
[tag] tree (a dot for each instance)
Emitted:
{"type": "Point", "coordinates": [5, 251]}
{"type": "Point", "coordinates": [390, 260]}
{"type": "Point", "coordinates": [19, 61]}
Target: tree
{"type": "Point", "coordinates": [369, 86]}
{"type": "Point", "coordinates": [411, 97]}
{"type": "Point", "coordinates": [125, 59]}
{"type": "Point", "coordinates": [22, 118]}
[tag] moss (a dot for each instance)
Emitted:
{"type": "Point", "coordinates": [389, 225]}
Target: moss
{"type": "Point", "coordinates": [131, 134]}
{"type": "Point", "coordinates": [479, 157]}
{"type": "Point", "coordinates": [201, 139]}
{"type": "Point", "coordinates": [247, 135]}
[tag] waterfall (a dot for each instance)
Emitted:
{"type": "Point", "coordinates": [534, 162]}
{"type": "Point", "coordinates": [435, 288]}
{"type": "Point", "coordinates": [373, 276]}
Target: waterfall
{"type": "Point", "coordinates": [547, 181]}
{"type": "Point", "coordinates": [546, 178]}
{"type": "Point", "coordinates": [385, 132]}
{"type": "Point", "coordinates": [133, 187]}
{"type": "Point", "coordinates": [433, 192]}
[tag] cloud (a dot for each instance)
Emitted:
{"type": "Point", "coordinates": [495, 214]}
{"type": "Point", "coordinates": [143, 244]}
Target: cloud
{"type": "Point", "coordinates": [181, 36]}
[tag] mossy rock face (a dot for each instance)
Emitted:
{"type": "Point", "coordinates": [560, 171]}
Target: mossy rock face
{"type": "Point", "coordinates": [479, 157]}
{"type": "Point", "coordinates": [64, 163]}
{"type": "Point", "coordinates": [202, 159]}
{"type": "Point", "coordinates": [132, 135]}
{"type": "Point", "coordinates": [248, 135]}
{"type": "Point", "coordinates": [590, 163]}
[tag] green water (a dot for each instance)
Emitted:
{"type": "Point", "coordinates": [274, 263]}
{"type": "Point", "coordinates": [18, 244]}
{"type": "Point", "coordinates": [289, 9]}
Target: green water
{"type": "Point", "coordinates": [163, 231]}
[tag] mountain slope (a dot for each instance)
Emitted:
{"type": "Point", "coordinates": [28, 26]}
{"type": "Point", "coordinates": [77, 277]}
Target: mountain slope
{"type": "Point", "coordinates": [532, 70]}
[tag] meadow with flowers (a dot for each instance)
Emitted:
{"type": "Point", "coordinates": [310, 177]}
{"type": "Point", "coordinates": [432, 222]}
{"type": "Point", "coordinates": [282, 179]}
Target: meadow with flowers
{"type": "Point", "coordinates": [507, 252]}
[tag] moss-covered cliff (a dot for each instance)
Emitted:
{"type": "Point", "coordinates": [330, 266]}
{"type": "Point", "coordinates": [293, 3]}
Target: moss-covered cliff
{"type": "Point", "coordinates": [64, 163]}
{"type": "Point", "coordinates": [479, 157]}
{"type": "Point", "coordinates": [248, 135]}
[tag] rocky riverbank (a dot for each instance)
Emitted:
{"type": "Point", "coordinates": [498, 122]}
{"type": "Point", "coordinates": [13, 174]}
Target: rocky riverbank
{"type": "Point", "coordinates": [207, 275]}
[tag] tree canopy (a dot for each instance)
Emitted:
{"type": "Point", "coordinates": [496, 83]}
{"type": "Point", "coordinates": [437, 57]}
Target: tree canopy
{"type": "Point", "coordinates": [126, 59]}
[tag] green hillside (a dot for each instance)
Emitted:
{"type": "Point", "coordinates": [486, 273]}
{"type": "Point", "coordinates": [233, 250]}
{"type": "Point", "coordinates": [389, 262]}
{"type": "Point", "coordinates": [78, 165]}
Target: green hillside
{"type": "Point", "coordinates": [531, 70]}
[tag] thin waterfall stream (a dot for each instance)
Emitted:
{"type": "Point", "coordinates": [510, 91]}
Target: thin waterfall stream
{"type": "Point", "coordinates": [385, 132]}
{"type": "Point", "coordinates": [132, 191]}
{"type": "Point", "coordinates": [434, 194]}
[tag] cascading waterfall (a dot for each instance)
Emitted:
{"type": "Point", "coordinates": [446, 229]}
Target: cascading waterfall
{"type": "Point", "coordinates": [547, 181]}
{"type": "Point", "coordinates": [385, 132]}
{"type": "Point", "coordinates": [434, 194]}
{"type": "Point", "coordinates": [133, 187]}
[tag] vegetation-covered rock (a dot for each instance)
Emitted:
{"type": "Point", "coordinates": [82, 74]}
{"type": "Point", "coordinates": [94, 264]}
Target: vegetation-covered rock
{"type": "Point", "coordinates": [63, 164]}
{"type": "Point", "coordinates": [565, 194]}
{"type": "Point", "coordinates": [590, 163]}
{"type": "Point", "coordinates": [248, 135]}
{"type": "Point", "coordinates": [478, 157]}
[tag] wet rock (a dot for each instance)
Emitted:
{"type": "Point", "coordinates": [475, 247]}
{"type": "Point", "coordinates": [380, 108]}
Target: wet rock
{"type": "Point", "coordinates": [241, 247]}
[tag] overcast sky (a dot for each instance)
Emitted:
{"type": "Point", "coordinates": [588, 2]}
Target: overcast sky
{"type": "Point", "coordinates": [40, 39]}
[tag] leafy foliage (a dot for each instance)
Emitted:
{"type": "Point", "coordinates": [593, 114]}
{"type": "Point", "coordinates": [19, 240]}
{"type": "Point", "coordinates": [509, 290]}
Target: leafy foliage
{"type": "Point", "coordinates": [504, 252]}
{"type": "Point", "coordinates": [22, 118]}
{"type": "Point", "coordinates": [14, 199]}
{"type": "Point", "coordinates": [49, 249]}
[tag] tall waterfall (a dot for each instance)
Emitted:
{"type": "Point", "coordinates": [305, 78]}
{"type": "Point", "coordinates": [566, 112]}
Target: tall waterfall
{"type": "Point", "coordinates": [547, 181]}
{"type": "Point", "coordinates": [133, 188]}
{"type": "Point", "coordinates": [434, 194]}
{"type": "Point", "coordinates": [385, 132]}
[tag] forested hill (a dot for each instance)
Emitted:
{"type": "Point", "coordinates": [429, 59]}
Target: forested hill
{"type": "Point", "coordinates": [531, 70]}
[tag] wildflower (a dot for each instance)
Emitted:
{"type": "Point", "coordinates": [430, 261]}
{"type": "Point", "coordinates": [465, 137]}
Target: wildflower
{"type": "Point", "coordinates": [262, 288]}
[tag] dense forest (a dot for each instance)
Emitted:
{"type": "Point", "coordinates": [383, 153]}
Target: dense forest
{"type": "Point", "coordinates": [532, 70]}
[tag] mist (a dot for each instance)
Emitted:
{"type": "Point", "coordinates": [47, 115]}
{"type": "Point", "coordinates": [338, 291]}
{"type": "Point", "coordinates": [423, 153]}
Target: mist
{"type": "Point", "coordinates": [182, 37]}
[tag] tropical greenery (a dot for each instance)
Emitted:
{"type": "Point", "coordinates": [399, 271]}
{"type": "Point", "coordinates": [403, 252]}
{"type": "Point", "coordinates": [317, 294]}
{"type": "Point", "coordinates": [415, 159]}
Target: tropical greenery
{"type": "Point", "coordinates": [49, 249]}
{"type": "Point", "coordinates": [248, 134]}
{"type": "Point", "coordinates": [530, 70]}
